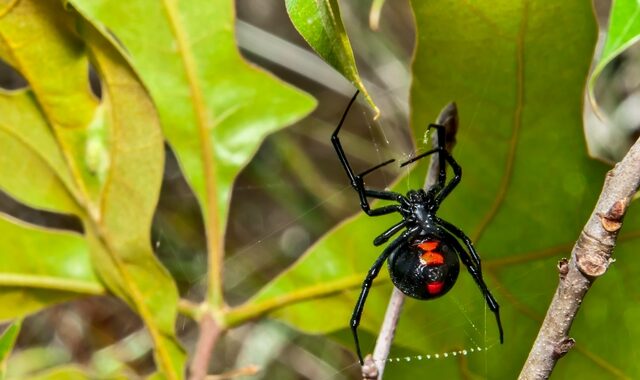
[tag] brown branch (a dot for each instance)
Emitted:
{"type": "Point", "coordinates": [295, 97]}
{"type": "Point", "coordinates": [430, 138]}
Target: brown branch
{"type": "Point", "coordinates": [373, 367]}
{"type": "Point", "coordinates": [590, 258]}
{"type": "Point", "coordinates": [210, 331]}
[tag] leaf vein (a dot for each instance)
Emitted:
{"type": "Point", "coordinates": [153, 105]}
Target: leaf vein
{"type": "Point", "coordinates": [214, 245]}
{"type": "Point", "coordinates": [515, 135]}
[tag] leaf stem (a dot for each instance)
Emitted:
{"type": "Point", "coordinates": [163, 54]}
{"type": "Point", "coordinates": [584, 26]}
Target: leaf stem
{"type": "Point", "coordinates": [52, 283]}
{"type": "Point", "coordinates": [590, 258]}
{"type": "Point", "coordinates": [190, 309]}
{"type": "Point", "coordinates": [250, 310]}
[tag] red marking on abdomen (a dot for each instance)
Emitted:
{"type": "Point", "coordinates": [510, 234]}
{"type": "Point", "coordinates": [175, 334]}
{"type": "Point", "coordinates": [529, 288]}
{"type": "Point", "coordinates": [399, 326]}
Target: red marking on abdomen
{"type": "Point", "coordinates": [429, 246]}
{"type": "Point", "coordinates": [431, 255]}
{"type": "Point", "coordinates": [435, 287]}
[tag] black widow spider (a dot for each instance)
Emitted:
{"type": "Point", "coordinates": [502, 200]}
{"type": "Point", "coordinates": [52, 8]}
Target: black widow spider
{"type": "Point", "coordinates": [423, 260]}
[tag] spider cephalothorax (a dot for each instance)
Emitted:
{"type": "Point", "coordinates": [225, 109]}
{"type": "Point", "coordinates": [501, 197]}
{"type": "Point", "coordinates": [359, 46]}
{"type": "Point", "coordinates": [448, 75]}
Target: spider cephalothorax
{"type": "Point", "coordinates": [424, 261]}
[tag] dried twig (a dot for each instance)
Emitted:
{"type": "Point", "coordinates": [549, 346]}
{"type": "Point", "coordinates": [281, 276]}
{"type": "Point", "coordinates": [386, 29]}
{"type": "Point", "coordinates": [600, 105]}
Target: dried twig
{"type": "Point", "coordinates": [373, 367]}
{"type": "Point", "coordinates": [590, 259]}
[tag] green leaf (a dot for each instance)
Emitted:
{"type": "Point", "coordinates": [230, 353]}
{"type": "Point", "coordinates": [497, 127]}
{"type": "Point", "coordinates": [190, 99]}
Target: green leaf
{"type": "Point", "coordinates": [338, 262]}
{"type": "Point", "coordinates": [623, 31]}
{"type": "Point", "coordinates": [7, 341]}
{"type": "Point", "coordinates": [112, 154]}
{"type": "Point", "coordinates": [517, 72]}
{"type": "Point", "coordinates": [28, 146]}
{"type": "Point", "coordinates": [214, 121]}
{"type": "Point", "coordinates": [36, 360]}
{"type": "Point", "coordinates": [73, 372]}
{"type": "Point", "coordinates": [54, 362]}
{"type": "Point", "coordinates": [68, 372]}
{"type": "Point", "coordinates": [41, 267]}
{"type": "Point", "coordinates": [320, 24]}
{"type": "Point", "coordinates": [121, 241]}
{"type": "Point", "coordinates": [56, 68]}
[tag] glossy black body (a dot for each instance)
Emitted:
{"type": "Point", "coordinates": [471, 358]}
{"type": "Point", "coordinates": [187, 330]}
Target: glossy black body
{"type": "Point", "coordinates": [411, 274]}
{"type": "Point", "coordinates": [419, 223]}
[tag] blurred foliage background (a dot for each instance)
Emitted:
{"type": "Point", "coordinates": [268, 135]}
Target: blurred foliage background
{"type": "Point", "coordinates": [293, 192]}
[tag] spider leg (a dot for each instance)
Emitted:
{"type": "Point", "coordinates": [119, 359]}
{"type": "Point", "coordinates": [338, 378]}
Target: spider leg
{"type": "Point", "coordinates": [421, 155]}
{"type": "Point", "coordinates": [384, 195]}
{"type": "Point", "coordinates": [457, 176]}
{"type": "Point", "coordinates": [366, 284]}
{"type": "Point", "coordinates": [462, 236]}
{"type": "Point", "coordinates": [442, 145]}
{"type": "Point", "coordinates": [357, 181]}
{"type": "Point", "coordinates": [385, 236]}
{"type": "Point", "coordinates": [364, 173]}
{"type": "Point", "coordinates": [476, 273]}
{"type": "Point", "coordinates": [442, 154]}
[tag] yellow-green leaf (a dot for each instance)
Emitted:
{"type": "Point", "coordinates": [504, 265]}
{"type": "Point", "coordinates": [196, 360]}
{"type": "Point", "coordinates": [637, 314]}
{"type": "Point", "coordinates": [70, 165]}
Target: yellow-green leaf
{"type": "Point", "coordinates": [214, 107]}
{"type": "Point", "coordinates": [320, 24]}
{"type": "Point", "coordinates": [32, 168]}
{"type": "Point", "coordinates": [41, 267]}
{"type": "Point", "coordinates": [120, 239]}
{"type": "Point", "coordinates": [113, 151]}
{"type": "Point", "coordinates": [68, 372]}
{"type": "Point", "coordinates": [7, 341]}
{"type": "Point", "coordinates": [49, 55]}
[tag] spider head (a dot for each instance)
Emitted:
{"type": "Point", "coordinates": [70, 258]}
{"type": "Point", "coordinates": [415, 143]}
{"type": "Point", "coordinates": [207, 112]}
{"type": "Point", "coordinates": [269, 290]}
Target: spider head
{"type": "Point", "coordinates": [420, 205]}
{"type": "Point", "coordinates": [416, 196]}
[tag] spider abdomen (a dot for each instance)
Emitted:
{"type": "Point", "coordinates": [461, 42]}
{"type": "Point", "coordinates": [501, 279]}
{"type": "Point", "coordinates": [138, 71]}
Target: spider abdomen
{"type": "Point", "coordinates": [426, 268]}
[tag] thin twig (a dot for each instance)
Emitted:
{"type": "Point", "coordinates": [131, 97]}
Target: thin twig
{"type": "Point", "coordinates": [246, 371]}
{"type": "Point", "coordinates": [373, 367]}
{"type": "Point", "coordinates": [209, 334]}
{"type": "Point", "coordinates": [590, 258]}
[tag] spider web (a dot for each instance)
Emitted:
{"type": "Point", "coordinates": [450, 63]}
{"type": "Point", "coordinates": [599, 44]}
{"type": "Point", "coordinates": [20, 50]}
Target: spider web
{"type": "Point", "coordinates": [257, 226]}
